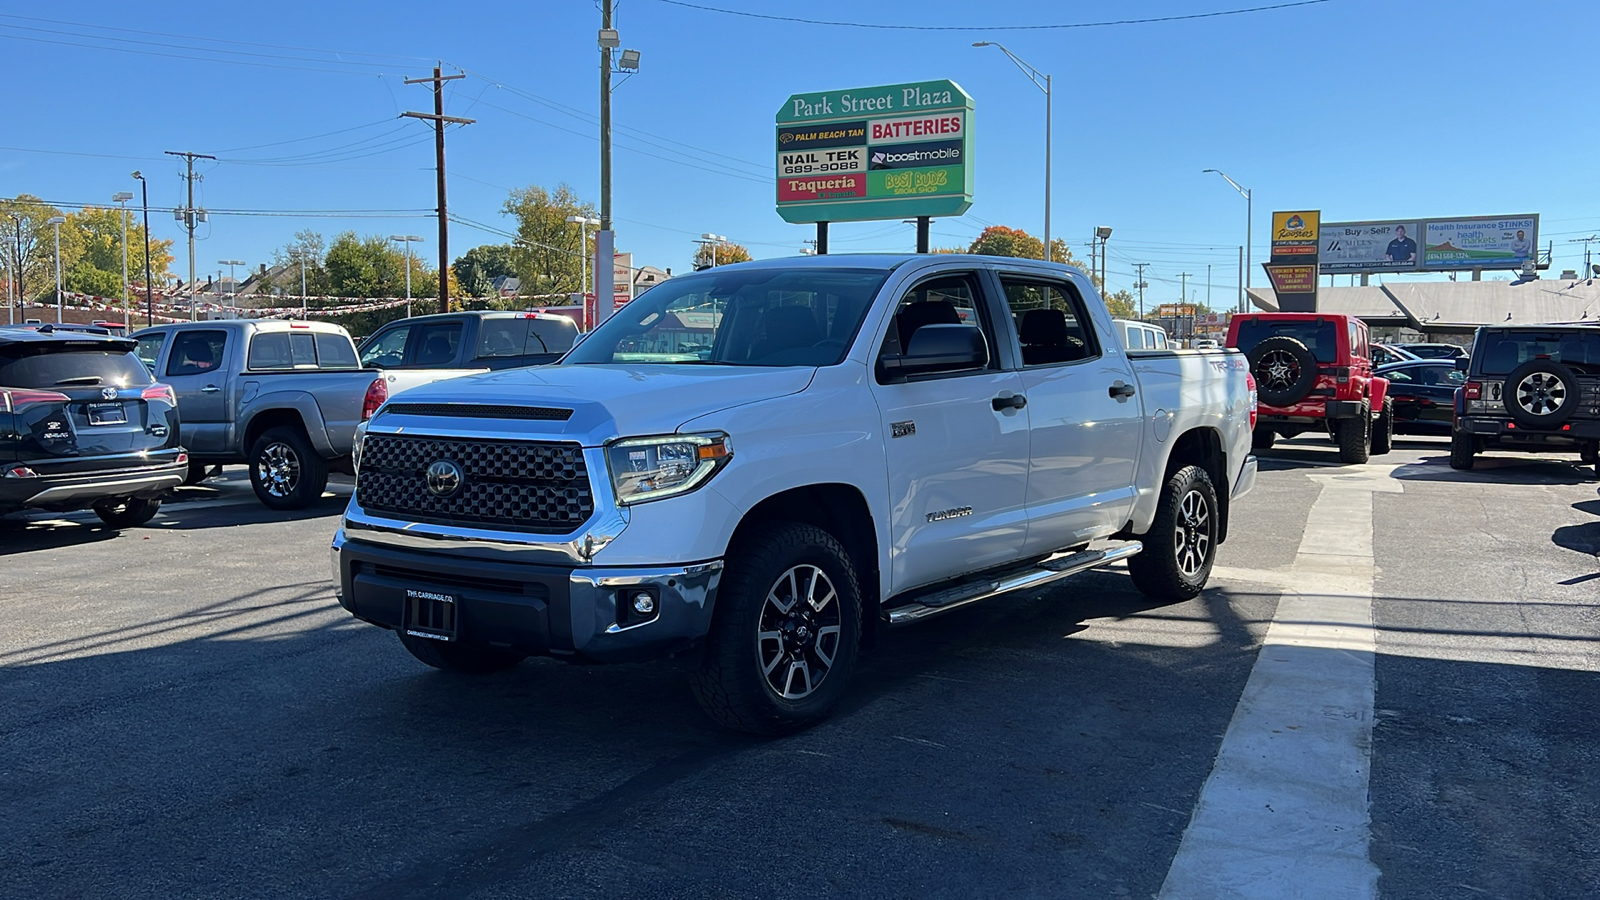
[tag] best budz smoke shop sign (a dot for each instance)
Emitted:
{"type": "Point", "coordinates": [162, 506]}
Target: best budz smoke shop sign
{"type": "Point", "coordinates": [892, 152]}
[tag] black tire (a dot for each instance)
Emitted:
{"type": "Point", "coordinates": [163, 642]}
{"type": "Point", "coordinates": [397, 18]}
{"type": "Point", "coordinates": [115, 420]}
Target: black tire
{"type": "Point", "coordinates": [1355, 437]}
{"type": "Point", "coordinates": [1541, 393]}
{"type": "Point", "coordinates": [128, 512]}
{"type": "Point", "coordinates": [198, 472]}
{"type": "Point", "coordinates": [1262, 438]}
{"type": "Point", "coordinates": [1463, 447]}
{"type": "Point", "coordinates": [1181, 545]}
{"type": "Point", "coordinates": [1383, 429]}
{"type": "Point", "coordinates": [1285, 370]}
{"type": "Point", "coordinates": [467, 659]}
{"type": "Point", "coordinates": [744, 677]}
{"type": "Point", "coordinates": [1589, 453]}
{"type": "Point", "coordinates": [285, 470]}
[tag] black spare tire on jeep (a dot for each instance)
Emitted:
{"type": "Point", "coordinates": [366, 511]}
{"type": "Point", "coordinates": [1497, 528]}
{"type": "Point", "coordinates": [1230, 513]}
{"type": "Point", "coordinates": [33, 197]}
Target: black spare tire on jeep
{"type": "Point", "coordinates": [1541, 393]}
{"type": "Point", "coordinates": [1285, 370]}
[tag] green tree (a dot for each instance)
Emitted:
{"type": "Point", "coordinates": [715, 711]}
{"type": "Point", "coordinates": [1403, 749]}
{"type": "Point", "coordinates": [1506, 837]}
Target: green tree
{"type": "Point", "coordinates": [374, 267]}
{"type": "Point", "coordinates": [1122, 305]}
{"type": "Point", "coordinates": [476, 269]}
{"type": "Point", "coordinates": [96, 236]}
{"type": "Point", "coordinates": [24, 219]}
{"type": "Point", "coordinates": [548, 255]}
{"type": "Point", "coordinates": [726, 254]}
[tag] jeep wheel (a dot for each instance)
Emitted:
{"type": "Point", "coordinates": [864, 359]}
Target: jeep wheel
{"type": "Point", "coordinates": [1462, 449]}
{"type": "Point", "coordinates": [467, 659]}
{"type": "Point", "coordinates": [1383, 429]}
{"type": "Point", "coordinates": [1181, 545]}
{"type": "Point", "coordinates": [1355, 437]}
{"type": "Point", "coordinates": [129, 512]}
{"type": "Point", "coordinates": [285, 470]}
{"type": "Point", "coordinates": [1262, 438]}
{"type": "Point", "coordinates": [1285, 370]}
{"type": "Point", "coordinates": [785, 631]}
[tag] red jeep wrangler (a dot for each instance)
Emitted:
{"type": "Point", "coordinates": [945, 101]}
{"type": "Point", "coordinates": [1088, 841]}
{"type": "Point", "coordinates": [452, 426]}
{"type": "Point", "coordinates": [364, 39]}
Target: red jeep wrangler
{"type": "Point", "coordinates": [1314, 370]}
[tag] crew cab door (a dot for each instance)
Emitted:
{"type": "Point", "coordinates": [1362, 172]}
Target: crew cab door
{"type": "Point", "coordinates": [956, 442]}
{"type": "Point", "coordinates": [196, 365]}
{"type": "Point", "coordinates": [1086, 417]}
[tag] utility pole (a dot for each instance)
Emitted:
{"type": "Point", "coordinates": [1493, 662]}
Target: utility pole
{"type": "Point", "coordinates": [1208, 285]}
{"type": "Point", "coordinates": [439, 120]}
{"type": "Point", "coordinates": [16, 269]}
{"type": "Point", "coordinates": [1183, 302]}
{"type": "Point", "coordinates": [1141, 285]}
{"type": "Point", "coordinates": [605, 240]}
{"type": "Point", "coordinates": [1243, 300]}
{"type": "Point", "coordinates": [190, 216]}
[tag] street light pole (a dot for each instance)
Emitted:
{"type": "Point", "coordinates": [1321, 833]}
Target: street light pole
{"type": "Point", "coordinates": [1042, 82]}
{"type": "Point", "coordinates": [407, 239]}
{"type": "Point", "coordinates": [583, 223]}
{"type": "Point", "coordinates": [123, 197]}
{"type": "Point", "coordinates": [1249, 222]}
{"type": "Point", "coordinates": [149, 289]}
{"type": "Point", "coordinates": [57, 221]}
{"type": "Point", "coordinates": [232, 284]}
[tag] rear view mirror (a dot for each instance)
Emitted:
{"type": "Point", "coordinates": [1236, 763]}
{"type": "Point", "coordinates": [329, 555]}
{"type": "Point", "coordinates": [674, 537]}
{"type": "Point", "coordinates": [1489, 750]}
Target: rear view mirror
{"type": "Point", "coordinates": [939, 348]}
{"type": "Point", "coordinates": [1463, 363]}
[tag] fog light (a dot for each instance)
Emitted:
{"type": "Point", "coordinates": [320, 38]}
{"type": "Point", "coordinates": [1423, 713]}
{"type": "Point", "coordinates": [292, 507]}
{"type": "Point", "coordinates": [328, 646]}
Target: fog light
{"type": "Point", "coordinates": [644, 604]}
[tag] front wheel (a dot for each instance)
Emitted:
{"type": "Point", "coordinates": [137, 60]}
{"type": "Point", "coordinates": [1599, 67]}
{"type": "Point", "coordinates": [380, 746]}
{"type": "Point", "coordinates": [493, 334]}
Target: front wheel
{"type": "Point", "coordinates": [1383, 429]}
{"type": "Point", "coordinates": [1181, 545]}
{"type": "Point", "coordinates": [285, 470]}
{"type": "Point", "coordinates": [785, 631]}
{"type": "Point", "coordinates": [1462, 449]}
{"type": "Point", "coordinates": [130, 512]}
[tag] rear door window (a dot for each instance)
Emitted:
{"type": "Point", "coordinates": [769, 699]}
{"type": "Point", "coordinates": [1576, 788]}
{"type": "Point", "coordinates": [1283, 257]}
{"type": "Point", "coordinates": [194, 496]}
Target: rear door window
{"type": "Point", "coordinates": [1321, 336]}
{"type": "Point", "coordinates": [435, 344]}
{"type": "Point", "coordinates": [196, 352]}
{"type": "Point", "coordinates": [1051, 324]}
{"type": "Point", "coordinates": [1135, 338]}
{"type": "Point", "coordinates": [55, 365]}
{"type": "Point", "coordinates": [502, 337]}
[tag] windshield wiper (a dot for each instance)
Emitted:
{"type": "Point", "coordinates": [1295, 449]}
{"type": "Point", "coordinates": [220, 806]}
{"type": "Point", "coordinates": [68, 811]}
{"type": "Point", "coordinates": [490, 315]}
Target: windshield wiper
{"type": "Point", "coordinates": [81, 379]}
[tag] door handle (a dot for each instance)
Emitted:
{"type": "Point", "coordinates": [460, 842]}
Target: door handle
{"type": "Point", "coordinates": [210, 389]}
{"type": "Point", "coordinates": [1014, 401]}
{"type": "Point", "coordinates": [1121, 391]}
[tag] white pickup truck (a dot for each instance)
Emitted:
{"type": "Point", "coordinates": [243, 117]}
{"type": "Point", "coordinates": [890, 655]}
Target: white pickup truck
{"type": "Point", "coordinates": [759, 465]}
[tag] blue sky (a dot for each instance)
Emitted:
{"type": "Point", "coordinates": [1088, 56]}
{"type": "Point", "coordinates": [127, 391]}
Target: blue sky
{"type": "Point", "coordinates": [1364, 109]}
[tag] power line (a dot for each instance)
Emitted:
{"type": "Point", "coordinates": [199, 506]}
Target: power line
{"type": "Point", "coordinates": [184, 37]}
{"type": "Point", "coordinates": [310, 138]}
{"type": "Point", "coordinates": [1058, 27]}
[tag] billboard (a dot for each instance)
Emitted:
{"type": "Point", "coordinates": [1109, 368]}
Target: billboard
{"type": "Point", "coordinates": [1429, 245]}
{"type": "Point", "coordinates": [889, 152]}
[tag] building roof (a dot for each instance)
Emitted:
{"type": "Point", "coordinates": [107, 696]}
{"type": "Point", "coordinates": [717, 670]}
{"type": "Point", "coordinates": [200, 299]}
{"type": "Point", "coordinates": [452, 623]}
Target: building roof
{"type": "Point", "coordinates": [1457, 305]}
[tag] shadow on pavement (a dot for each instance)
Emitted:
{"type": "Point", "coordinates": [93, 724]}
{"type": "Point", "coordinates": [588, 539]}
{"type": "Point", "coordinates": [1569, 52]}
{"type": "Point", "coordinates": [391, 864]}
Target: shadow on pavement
{"type": "Point", "coordinates": [1500, 470]}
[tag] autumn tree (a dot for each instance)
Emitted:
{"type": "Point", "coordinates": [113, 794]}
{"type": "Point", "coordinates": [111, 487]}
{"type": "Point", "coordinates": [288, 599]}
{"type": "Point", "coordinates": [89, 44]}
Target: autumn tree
{"type": "Point", "coordinates": [97, 238]}
{"type": "Point", "coordinates": [549, 254]}
{"type": "Point", "coordinates": [725, 254]}
{"type": "Point", "coordinates": [374, 267]}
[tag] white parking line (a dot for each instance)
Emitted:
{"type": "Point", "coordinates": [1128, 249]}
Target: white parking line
{"type": "Point", "coordinates": [1284, 812]}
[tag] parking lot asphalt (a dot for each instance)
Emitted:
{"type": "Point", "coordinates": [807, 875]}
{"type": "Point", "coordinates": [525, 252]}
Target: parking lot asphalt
{"type": "Point", "coordinates": [185, 711]}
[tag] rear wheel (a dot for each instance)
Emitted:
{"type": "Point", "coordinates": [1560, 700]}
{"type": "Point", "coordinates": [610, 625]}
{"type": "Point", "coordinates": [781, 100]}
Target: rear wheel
{"type": "Point", "coordinates": [198, 472]}
{"type": "Point", "coordinates": [1262, 438]}
{"type": "Point", "coordinates": [285, 470]}
{"type": "Point", "coordinates": [468, 659]}
{"type": "Point", "coordinates": [1589, 453]}
{"type": "Point", "coordinates": [1462, 449]}
{"type": "Point", "coordinates": [1355, 437]}
{"type": "Point", "coordinates": [785, 632]}
{"type": "Point", "coordinates": [129, 512]}
{"type": "Point", "coordinates": [1181, 545]}
{"type": "Point", "coordinates": [1383, 429]}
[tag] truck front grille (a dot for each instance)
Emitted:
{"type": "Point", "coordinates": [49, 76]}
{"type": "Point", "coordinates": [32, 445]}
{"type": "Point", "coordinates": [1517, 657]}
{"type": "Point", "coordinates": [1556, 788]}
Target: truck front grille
{"type": "Point", "coordinates": [540, 487]}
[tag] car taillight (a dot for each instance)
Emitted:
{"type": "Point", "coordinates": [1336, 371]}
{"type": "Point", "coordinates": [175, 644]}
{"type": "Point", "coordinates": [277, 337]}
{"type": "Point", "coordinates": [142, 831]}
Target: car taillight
{"type": "Point", "coordinates": [160, 392]}
{"type": "Point", "coordinates": [1255, 404]}
{"type": "Point", "coordinates": [17, 398]}
{"type": "Point", "coordinates": [1472, 390]}
{"type": "Point", "coordinates": [377, 393]}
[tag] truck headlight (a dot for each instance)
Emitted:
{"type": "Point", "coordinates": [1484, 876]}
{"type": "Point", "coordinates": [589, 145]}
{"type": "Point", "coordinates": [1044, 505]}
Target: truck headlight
{"type": "Point", "coordinates": [653, 468]}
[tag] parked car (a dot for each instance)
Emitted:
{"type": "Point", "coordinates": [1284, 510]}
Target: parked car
{"type": "Point", "coordinates": [469, 342]}
{"type": "Point", "coordinates": [1313, 371]}
{"type": "Point", "coordinates": [282, 397]}
{"type": "Point", "coordinates": [84, 426]}
{"type": "Point", "coordinates": [853, 442]}
{"type": "Point", "coordinates": [1423, 391]}
{"type": "Point", "coordinates": [1140, 335]}
{"type": "Point", "coordinates": [1434, 351]}
{"type": "Point", "coordinates": [1203, 344]}
{"type": "Point", "coordinates": [1384, 354]}
{"type": "Point", "coordinates": [1530, 388]}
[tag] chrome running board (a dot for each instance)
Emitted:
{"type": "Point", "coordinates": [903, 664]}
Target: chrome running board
{"type": "Point", "coordinates": [1055, 568]}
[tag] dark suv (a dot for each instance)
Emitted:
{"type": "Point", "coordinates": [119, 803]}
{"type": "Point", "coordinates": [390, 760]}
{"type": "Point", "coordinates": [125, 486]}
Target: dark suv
{"type": "Point", "coordinates": [84, 425]}
{"type": "Point", "coordinates": [1533, 388]}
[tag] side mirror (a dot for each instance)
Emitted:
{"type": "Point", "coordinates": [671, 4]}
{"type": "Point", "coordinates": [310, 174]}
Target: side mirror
{"type": "Point", "coordinates": [1463, 363]}
{"type": "Point", "coordinates": [939, 348]}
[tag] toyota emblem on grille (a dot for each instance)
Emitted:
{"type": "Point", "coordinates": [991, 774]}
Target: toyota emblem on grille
{"type": "Point", "coordinates": [444, 478]}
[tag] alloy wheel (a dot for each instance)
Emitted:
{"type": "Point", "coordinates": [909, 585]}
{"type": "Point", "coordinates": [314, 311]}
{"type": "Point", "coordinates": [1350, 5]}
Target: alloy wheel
{"type": "Point", "coordinates": [799, 632]}
{"type": "Point", "coordinates": [1541, 393]}
{"type": "Point", "coordinates": [278, 469]}
{"type": "Point", "coordinates": [1277, 370]}
{"type": "Point", "coordinates": [1191, 539]}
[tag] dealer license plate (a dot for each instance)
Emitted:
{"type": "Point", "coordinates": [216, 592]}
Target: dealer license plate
{"type": "Point", "coordinates": [107, 414]}
{"type": "Point", "coordinates": [431, 614]}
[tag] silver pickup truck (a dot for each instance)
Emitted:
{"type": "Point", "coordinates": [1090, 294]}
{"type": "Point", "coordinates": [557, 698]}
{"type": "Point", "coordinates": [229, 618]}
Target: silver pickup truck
{"type": "Point", "coordinates": [283, 397]}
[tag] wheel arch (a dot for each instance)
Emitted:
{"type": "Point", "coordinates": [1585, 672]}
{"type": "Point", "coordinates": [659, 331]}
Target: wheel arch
{"type": "Point", "coordinates": [1202, 446]}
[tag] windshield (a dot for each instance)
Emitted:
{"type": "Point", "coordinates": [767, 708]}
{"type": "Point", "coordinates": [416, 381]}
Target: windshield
{"type": "Point", "coordinates": [1502, 351]}
{"type": "Point", "coordinates": [805, 316]}
{"type": "Point", "coordinates": [1319, 335]}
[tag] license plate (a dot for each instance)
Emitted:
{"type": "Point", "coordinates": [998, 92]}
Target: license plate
{"type": "Point", "coordinates": [107, 414]}
{"type": "Point", "coordinates": [431, 614]}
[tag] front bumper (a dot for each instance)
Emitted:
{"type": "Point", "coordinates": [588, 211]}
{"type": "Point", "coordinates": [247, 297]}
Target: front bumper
{"type": "Point", "coordinates": [545, 609]}
{"type": "Point", "coordinates": [84, 489]}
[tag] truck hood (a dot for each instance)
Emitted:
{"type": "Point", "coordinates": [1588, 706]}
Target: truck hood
{"type": "Point", "coordinates": [607, 401]}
